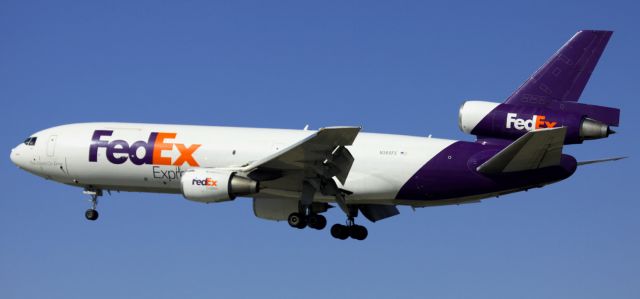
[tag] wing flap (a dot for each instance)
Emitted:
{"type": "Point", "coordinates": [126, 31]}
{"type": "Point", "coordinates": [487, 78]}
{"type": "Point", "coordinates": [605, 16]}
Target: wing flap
{"type": "Point", "coordinates": [340, 164]}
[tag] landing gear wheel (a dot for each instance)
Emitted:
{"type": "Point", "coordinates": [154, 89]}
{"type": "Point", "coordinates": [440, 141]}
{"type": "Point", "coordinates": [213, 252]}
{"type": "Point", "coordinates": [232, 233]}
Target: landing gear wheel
{"type": "Point", "coordinates": [296, 220]}
{"type": "Point", "coordinates": [340, 231]}
{"type": "Point", "coordinates": [91, 214]}
{"type": "Point", "coordinates": [316, 221]}
{"type": "Point", "coordinates": [358, 232]}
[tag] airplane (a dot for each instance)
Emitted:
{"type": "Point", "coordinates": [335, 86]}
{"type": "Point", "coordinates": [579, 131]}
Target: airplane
{"type": "Point", "coordinates": [297, 175]}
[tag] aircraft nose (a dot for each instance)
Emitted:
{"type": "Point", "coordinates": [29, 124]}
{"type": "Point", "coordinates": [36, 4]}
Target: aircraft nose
{"type": "Point", "coordinates": [16, 157]}
{"type": "Point", "coordinates": [13, 155]}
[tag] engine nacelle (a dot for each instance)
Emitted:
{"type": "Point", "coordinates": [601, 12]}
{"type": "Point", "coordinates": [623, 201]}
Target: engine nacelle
{"type": "Point", "coordinates": [215, 185]}
{"type": "Point", "coordinates": [471, 113]}
{"type": "Point", "coordinates": [495, 120]}
{"type": "Point", "coordinates": [278, 209]}
{"type": "Point", "coordinates": [274, 208]}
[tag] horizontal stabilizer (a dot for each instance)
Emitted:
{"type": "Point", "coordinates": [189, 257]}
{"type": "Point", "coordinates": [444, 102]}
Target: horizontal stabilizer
{"type": "Point", "coordinates": [535, 149]}
{"type": "Point", "coordinates": [600, 161]}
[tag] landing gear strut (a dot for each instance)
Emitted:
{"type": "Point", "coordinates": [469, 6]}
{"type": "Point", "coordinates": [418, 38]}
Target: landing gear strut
{"type": "Point", "coordinates": [92, 213]}
{"type": "Point", "coordinates": [351, 229]}
{"type": "Point", "coordinates": [306, 216]}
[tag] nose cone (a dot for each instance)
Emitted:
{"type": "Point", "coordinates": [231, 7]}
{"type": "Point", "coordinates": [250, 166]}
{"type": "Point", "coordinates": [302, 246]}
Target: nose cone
{"type": "Point", "coordinates": [17, 158]}
{"type": "Point", "coordinates": [13, 156]}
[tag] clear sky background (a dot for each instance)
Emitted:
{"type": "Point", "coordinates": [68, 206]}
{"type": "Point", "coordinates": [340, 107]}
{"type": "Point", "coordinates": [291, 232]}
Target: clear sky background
{"type": "Point", "coordinates": [397, 67]}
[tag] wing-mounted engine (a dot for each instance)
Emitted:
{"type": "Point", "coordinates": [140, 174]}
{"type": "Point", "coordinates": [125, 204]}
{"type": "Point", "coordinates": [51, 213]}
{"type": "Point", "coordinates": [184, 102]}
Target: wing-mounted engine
{"type": "Point", "coordinates": [508, 121]}
{"type": "Point", "coordinates": [215, 185]}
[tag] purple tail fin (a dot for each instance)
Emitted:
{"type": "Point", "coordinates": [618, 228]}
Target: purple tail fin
{"type": "Point", "coordinates": [564, 76]}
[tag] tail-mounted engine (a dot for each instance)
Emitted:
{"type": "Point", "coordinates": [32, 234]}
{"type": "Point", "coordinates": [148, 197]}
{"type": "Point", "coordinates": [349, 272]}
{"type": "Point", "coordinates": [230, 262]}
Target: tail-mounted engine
{"type": "Point", "coordinates": [215, 185]}
{"type": "Point", "coordinates": [507, 121]}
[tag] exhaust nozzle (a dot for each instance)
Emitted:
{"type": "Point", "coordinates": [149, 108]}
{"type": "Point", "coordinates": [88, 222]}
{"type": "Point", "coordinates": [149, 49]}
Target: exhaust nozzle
{"type": "Point", "coordinates": [592, 129]}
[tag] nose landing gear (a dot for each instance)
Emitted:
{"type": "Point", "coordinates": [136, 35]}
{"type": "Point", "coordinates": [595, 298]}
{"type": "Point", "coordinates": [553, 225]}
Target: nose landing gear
{"type": "Point", "coordinates": [91, 213]}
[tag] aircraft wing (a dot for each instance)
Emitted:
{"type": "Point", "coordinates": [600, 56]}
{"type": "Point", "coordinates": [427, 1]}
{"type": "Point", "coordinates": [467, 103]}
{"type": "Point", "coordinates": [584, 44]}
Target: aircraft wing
{"type": "Point", "coordinates": [322, 155]}
{"type": "Point", "coordinates": [533, 150]}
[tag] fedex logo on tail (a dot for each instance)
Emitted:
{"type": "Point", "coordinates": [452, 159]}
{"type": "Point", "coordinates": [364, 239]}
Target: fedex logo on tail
{"type": "Point", "coordinates": [155, 148]}
{"type": "Point", "coordinates": [536, 122]}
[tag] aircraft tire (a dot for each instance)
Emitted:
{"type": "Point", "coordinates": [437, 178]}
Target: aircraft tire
{"type": "Point", "coordinates": [340, 231]}
{"type": "Point", "coordinates": [91, 214]}
{"type": "Point", "coordinates": [316, 221]}
{"type": "Point", "coordinates": [296, 220]}
{"type": "Point", "coordinates": [358, 232]}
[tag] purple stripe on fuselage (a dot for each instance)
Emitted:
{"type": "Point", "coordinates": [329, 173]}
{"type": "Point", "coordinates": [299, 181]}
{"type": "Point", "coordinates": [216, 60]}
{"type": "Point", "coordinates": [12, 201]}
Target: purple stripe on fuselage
{"type": "Point", "coordinates": [452, 173]}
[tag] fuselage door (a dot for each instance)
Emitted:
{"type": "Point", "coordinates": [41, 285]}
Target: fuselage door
{"type": "Point", "coordinates": [51, 145]}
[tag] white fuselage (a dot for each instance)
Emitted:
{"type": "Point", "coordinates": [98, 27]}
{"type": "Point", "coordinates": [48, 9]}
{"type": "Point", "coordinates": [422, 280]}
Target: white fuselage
{"type": "Point", "coordinates": [383, 163]}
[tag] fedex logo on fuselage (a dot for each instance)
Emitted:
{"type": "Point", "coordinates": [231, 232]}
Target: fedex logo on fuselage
{"type": "Point", "coordinates": [155, 149]}
{"type": "Point", "coordinates": [536, 122]}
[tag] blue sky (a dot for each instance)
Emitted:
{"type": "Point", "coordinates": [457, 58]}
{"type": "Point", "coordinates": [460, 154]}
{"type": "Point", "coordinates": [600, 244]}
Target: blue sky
{"type": "Point", "coordinates": [395, 67]}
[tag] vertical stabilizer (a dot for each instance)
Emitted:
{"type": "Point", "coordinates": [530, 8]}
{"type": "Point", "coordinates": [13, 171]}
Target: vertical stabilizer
{"type": "Point", "coordinates": [564, 76]}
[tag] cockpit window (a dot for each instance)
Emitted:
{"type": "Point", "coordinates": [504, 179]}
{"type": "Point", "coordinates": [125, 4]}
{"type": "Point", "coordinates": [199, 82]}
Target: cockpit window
{"type": "Point", "coordinates": [30, 141]}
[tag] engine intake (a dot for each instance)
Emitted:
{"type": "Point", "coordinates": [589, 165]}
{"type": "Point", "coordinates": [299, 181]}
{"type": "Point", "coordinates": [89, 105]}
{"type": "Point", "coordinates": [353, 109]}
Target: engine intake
{"type": "Point", "coordinates": [215, 185]}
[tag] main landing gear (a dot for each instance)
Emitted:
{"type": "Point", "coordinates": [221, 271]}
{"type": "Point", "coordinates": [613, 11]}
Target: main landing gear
{"type": "Point", "coordinates": [339, 231]}
{"type": "Point", "coordinates": [92, 213]}
{"type": "Point", "coordinates": [306, 216]}
{"type": "Point", "coordinates": [352, 230]}
{"type": "Point", "coordinates": [300, 221]}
